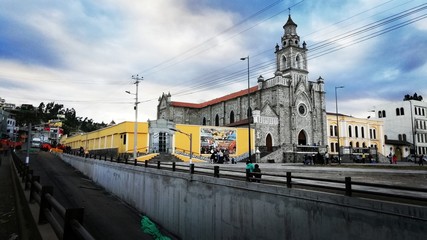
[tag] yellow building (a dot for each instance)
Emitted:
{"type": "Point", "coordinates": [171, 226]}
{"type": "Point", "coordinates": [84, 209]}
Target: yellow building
{"type": "Point", "coordinates": [356, 135]}
{"type": "Point", "coordinates": [161, 136]}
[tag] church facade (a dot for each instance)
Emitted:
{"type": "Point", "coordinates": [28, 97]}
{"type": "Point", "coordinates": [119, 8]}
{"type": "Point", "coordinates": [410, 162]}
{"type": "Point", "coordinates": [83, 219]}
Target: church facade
{"type": "Point", "coordinates": [287, 111]}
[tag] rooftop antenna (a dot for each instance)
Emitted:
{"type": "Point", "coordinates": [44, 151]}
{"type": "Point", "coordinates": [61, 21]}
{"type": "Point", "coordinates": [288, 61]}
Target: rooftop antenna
{"type": "Point", "coordinates": [289, 9]}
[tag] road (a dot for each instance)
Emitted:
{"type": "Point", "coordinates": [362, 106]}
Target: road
{"type": "Point", "coordinates": [105, 216]}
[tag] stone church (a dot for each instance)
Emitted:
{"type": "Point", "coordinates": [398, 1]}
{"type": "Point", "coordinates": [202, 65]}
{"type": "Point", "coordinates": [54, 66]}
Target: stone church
{"type": "Point", "coordinates": [287, 111]}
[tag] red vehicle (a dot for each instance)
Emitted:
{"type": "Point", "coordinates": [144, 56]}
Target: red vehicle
{"type": "Point", "coordinates": [7, 143]}
{"type": "Point", "coordinates": [45, 147]}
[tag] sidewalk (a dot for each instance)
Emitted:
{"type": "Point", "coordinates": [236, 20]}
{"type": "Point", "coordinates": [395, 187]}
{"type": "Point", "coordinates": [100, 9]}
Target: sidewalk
{"type": "Point", "coordinates": [8, 218]}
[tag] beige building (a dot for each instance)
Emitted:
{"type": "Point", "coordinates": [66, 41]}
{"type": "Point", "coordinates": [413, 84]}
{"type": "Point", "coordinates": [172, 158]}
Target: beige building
{"type": "Point", "coordinates": [356, 135]}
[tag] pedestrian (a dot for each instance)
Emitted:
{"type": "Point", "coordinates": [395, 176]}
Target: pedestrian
{"type": "Point", "coordinates": [212, 157]}
{"type": "Point", "coordinates": [363, 157]}
{"type": "Point", "coordinates": [394, 159]}
{"type": "Point", "coordinates": [249, 169]}
{"type": "Point", "coordinates": [421, 160]}
{"type": "Point", "coordinates": [327, 158]}
{"type": "Point", "coordinates": [390, 158]}
{"type": "Point", "coordinates": [257, 173]}
{"type": "Point", "coordinates": [81, 151]}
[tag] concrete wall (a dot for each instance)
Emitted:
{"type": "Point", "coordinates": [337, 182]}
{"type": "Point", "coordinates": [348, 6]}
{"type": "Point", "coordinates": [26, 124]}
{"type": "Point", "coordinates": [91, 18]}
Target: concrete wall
{"type": "Point", "coordinates": [202, 207]}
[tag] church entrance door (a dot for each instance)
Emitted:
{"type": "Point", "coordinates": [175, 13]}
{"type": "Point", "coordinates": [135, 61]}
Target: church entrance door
{"type": "Point", "coordinates": [302, 139]}
{"type": "Point", "coordinates": [269, 143]}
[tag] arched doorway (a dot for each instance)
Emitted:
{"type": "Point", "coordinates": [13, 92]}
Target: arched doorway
{"type": "Point", "coordinates": [269, 143]}
{"type": "Point", "coordinates": [302, 138]}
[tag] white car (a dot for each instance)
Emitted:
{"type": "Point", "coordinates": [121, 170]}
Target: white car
{"type": "Point", "coordinates": [36, 142]}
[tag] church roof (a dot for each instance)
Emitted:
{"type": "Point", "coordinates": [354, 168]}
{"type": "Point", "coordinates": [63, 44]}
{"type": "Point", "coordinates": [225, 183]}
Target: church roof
{"type": "Point", "coordinates": [290, 21]}
{"type": "Point", "coordinates": [216, 100]}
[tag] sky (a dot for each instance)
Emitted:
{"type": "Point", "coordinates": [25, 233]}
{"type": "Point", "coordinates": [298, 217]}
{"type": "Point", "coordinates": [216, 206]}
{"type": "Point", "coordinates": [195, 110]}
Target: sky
{"type": "Point", "coordinates": [83, 54]}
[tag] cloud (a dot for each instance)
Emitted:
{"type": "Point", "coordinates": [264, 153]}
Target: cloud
{"type": "Point", "coordinates": [83, 54]}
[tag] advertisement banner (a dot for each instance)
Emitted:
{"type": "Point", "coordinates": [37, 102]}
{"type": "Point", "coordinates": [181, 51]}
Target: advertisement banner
{"type": "Point", "coordinates": [212, 138]}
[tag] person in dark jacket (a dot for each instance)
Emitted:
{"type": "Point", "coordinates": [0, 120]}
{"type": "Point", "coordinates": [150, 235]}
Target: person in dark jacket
{"type": "Point", "coordinates": [257, 173]}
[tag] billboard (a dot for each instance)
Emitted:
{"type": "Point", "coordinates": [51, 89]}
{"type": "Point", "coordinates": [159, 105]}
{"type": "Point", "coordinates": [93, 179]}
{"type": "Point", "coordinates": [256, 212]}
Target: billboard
{"type": "Point", "coordinates": [216, 138]}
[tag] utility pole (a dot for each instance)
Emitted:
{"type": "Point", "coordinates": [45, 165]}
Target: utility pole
{"type": "Point", "coordinates": [135, 134]}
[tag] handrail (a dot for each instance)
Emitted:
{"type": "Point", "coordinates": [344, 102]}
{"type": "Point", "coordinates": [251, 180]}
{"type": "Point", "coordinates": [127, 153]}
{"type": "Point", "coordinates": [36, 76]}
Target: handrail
{"type": "Point", "coordinates": [43, 196]}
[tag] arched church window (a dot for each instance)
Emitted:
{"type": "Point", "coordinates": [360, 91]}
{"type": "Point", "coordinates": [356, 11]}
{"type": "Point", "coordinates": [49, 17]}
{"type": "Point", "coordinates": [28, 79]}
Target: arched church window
{"type": "Point", "coordinates": [384, 113]}
{"type": "Point", "coordinates": [297, 62]}
{"type": "Point", "coordinates": [217, 120]}
{"type": "Point", "coordinates": [397, 112]}
{"type": "Point", "coordinates": [231, 117]}
{"type": "Point", "coordinates": [284, 63]}
{"type": "Point", "coordinates": [204, 121]}
{"type": "Point", "coordinates": [402, 112]}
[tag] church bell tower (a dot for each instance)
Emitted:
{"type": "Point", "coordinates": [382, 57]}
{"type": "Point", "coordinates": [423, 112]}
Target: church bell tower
{"type": "Point", "coordinates": [291, 56]}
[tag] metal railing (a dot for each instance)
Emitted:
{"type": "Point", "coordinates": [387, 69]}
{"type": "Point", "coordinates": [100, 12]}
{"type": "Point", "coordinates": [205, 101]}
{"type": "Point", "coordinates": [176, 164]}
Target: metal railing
{"type": "Point", "coordinates": [72, 218]}
{"type": "Point", "coordinates": [345, 186]}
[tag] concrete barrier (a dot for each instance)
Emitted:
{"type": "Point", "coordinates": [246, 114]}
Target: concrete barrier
{"type": "Point", "coordinates": [193, 206]}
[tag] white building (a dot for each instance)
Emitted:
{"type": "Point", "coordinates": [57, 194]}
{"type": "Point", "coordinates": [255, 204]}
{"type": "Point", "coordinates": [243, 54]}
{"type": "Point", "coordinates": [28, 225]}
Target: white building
{"type": "Point", "coordinates": [405, 126]}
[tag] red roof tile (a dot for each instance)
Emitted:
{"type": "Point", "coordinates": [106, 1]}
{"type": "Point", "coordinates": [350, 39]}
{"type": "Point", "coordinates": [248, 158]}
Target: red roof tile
{"type": "Point", "coordinates": [216, 100]}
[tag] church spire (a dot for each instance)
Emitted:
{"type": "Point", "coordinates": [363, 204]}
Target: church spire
{"type": "Point", "coordinates": [290, 37]}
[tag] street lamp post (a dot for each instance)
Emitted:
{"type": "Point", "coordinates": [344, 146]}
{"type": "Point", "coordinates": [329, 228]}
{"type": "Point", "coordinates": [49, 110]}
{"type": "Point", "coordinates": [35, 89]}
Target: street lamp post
{"type": "Point", "coordinates": [338, 131]}
{"type": "Point", "coordinates": [248, 113]}
{"type": "Point", "coordinates": [135, 133]}
{"type": "Point", "coordinates": [190, 136]}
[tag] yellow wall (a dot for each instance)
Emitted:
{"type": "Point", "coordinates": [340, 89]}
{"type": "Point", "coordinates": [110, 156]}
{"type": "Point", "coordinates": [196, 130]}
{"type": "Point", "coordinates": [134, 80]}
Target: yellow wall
{"type": "Point", "coordinates": [113, 137]}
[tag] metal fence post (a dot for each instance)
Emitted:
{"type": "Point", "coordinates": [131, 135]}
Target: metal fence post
{"type": "Point", "coordinates": [135, 161]}
{"type": "Point", "coordinates": [348, 186]}
{"type": "Point", "coordinates": [25, 172]}
{"type": "Point", "coordinates": [216, 171]}
{"type": "Point", "coordinates": [28, 179]}
{"type": "Point", "coordinates": [33, 187]}
{"type": "Point", "coordinates": [173, 166]}
{"type": "Point", "coordinates": [158, 164]}
{"type": "Point", "coordinates": [192, 168]}
{"type": "Point", "coordinates": [72, 214]}
{"type": "Point", "coordinates": [146, 163]}
{"type": "Point", "coordinates": [44, 203]}
{"type": "Point", "coordinates": [289, 179]}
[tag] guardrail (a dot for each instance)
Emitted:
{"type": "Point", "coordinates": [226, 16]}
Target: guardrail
{"type": "Point", "coordinates": [346, 186]}
{"type": "Point", "coordinates": [72, 218]}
